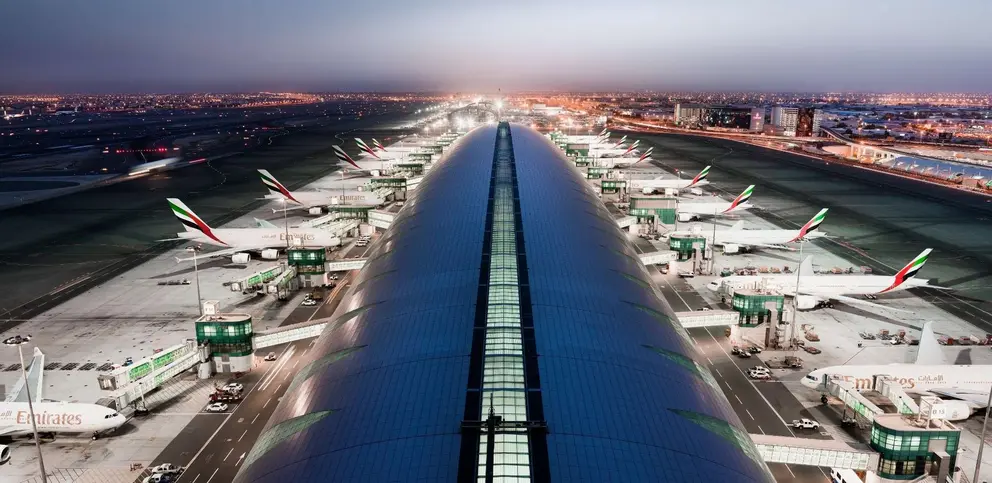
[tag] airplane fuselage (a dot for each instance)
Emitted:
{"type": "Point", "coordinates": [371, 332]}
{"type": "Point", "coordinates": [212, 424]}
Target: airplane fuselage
{"type": "Point", "coordinates": [759, 237]}
{"type": "Point", "coordinates": [828, 284]}
{"type": "Point", "coordinates": [912, 377]}
{"type": "Point", "coordinates": [710, 208]}
{"type": "Point", "coordinates": [263, 237]}
{"type": "Point", "coordinates": [57, 417]}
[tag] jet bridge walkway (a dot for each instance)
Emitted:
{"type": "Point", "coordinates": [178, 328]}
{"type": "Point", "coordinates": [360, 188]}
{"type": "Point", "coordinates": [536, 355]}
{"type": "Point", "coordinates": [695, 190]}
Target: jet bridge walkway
{"type": "Point", "coordinates": [131, 383]}
{"type": "Point", "coordinates": [816, 452]}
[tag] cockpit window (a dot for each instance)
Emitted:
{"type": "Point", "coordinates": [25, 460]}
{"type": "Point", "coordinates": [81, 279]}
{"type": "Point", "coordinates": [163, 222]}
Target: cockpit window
{"type": "Point", "coordinates": [810, 377]}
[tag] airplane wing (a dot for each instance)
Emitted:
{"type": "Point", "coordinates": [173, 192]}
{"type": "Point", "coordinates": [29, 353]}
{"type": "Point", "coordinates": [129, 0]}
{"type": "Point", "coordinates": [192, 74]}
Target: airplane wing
{"type": "Point", "coordinates": [222, 253]}
{"type": "Point", "coordinates": [975, 399]}
{"type": "Point", "coordinates": [853, 301]}
{"type": "Point", "coordinates": [35, 379]}
{"type": "Point", "coordinates": [7, 430]}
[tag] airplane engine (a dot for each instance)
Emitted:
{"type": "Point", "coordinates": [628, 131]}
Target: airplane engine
{"type": "Point", "coordinates": [4, 453]}
{"type": "Point", "coordinates": [683, 217]}
{"type": "Point", "coordinates": [647, 191]}
{"type": "Point", "coordinates": [956, 410]}
{"type": "Point", "coordinates": [731, 248]}
{"type": "Point", "coordinates": [807, 302]}
{"type": "Point", "coordinates": [270, 254]}
{"type": "Point", "coordinates": [240, 258]}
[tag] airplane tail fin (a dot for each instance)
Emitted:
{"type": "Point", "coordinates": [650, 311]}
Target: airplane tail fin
{"type": "Point", "coordinates": [191, 222]}
{"type": "Point", "coordinates": [264, 223]}
{"type": "Point", "coordinates": [811, 225]}
{"type": "Point", "coordinates": [34, 381]}
{"type": "Point", "coordinates": [343, 156]}
{"type": "Point", "coordinates": [376, 144]}
{"type": "Point", "coordinates": [741, 198]}
{"type": "Point", "coordinates": [701, 176]}
{"type": "Point", "coordinates": [737, 226]}
{"type": "Point", "coordinates": [365, 147]}
{"type": "Point", "coordinates": [909, 271]}
{"type": "Point", "coordinates": [929, 353]}
{"type": "Point", "coordinates": [274, 186]}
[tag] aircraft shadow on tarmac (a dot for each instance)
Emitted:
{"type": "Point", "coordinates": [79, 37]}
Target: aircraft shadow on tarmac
{"type": "Point", "coordinates": [217, 263]}
{"type": "Point", "coordinates": [847, 309]}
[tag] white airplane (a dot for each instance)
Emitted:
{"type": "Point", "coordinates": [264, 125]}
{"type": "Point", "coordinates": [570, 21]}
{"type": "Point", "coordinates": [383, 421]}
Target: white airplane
{"type": "Point", "coordinates": [645, 155]}
{"type": "Point", "coordinates": [648, 186]}
{"type": "Point", "coordinates": [7, 117]}
{"type": "Point", "coordinates": [314, 199]}
{"type": "Point", "coordinates": [736, 237]}
{"type": "Point", "coordinates": [621, 141]}
{"type": "Point", "coordinates": [632, 147]}
{"type": "Point", "coordinates": [50, 416]}
{"type": "Point", "coordinates": [690, 210]}
{"type": "Point", "coordinates": [235, 241]}
{"type": "Point", "coordinates": [968, 385]}
{"type": "Point", "coordinates": [817, 289]}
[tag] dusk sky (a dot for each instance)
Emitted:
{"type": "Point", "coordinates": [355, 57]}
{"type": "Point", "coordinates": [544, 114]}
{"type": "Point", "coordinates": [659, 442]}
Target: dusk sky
{"type": "Point", "coordinates": [471, 45]}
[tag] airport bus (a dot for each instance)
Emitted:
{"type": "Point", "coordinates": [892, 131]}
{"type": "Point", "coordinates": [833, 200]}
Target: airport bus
{"type": "Point", "coordinates": [844, 475]}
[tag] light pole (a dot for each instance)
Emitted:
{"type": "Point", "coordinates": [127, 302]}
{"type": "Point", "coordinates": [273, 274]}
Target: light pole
{"type": "Point", "coordinates": [285, 222]}
{"type": "Point", "coordinates": [196, 276]}
{"type": "Point", "coordinates": [981, 442]}
{"type": "Point", "coordinates": [18, 341]}
{"type": "Point", "coordinates": [795, 298]}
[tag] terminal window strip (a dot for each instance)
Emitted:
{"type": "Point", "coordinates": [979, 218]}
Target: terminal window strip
{"type": "Point", "coordinates": [503, 376]}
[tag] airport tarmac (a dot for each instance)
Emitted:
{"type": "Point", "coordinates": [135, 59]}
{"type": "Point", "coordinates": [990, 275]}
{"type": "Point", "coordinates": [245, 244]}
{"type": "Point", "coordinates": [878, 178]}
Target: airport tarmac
{"type": "Point", "coordinates": [134, 307]}
{"type": "Point", "coordinates": [69, 244]}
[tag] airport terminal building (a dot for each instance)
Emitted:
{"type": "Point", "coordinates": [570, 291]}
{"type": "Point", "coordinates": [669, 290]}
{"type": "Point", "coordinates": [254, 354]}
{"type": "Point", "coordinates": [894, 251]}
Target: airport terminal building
{"type": "Point", "coordinates": [503, 329]}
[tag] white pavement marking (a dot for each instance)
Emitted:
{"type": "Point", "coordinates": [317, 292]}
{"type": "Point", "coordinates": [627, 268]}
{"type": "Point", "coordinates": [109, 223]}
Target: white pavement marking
{"type": "Point", "coordinates": [762, 430]}
{"type": "Point", "coordinates": [221, 426]}
{"type": "Point", "coordinates": [708, 360]}
{"type": "Point", "coordinates": [212, 475]}
{"type": "Point", "coordinates": [732, 361]}
{"type": "Point", "coordinates": [266, 402]}
{"type": "Point", "coordinates": [749, 414]}
{"type": "Point", "coordinates": [246, 432]}
{"type": "Point", "coordinates": [197, 477]}
{"type": "Point", "coordinates": [273, 371]}
{"type": "Point", "coordinates": [790, 471]}
{"type": "Point", "coordinates": [717, 372]}
{"type": "Point", "coordinates": [738, 399]}
{"type": "Point", "coordinates": [228, 454]}
{"type": "Point", "coordinates": [253, 419]}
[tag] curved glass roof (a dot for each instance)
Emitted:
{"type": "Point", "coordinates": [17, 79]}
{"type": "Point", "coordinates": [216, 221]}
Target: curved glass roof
{"type": "Point", "coordinates": [624, 397]}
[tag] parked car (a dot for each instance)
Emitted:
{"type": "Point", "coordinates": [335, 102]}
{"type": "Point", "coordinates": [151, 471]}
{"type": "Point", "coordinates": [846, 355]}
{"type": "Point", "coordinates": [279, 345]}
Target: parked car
{"type": "Point", "coordinates": [167, 469]}
{"type": "Point", "coordinates": [271, 356]}
{"type": "Point", "coordinates": [308, 302]}
{"type": "Point", "coordinates": [735, 350]}
{"type": "Point", "coordinates": [805, 423]}
{"type": "Point", "coordinates": [159, 478]}
{"type": "Point", "coordinates": [233, 387]}
{"type": "Point", "coordinates": [217, 407]}
{"type": "Point", "coordinates": [811, 349]}
{"type": "Point", "coordinates": [744, 354]}
{"type": "Point", "coordinates": [754, 349]}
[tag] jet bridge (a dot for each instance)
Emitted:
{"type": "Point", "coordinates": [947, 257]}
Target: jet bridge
{"type": "Point", "coordinates": [708, 318]}
{"type": "Point", "coordinates": [816, 452]}
{"type": "Point", "coordinates": [657, 258]}
{"type": "Point", "coordinates": [289, 333]}
{"type": "Point", "coordinates": [132, 382]}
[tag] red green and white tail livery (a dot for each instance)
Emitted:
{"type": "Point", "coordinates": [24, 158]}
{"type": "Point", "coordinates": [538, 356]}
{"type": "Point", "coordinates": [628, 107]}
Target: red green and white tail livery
{"type": "Point", "coordinates": [810, 226]}
{"type": "Point", "coordinates": [365, 147]}
{"type": "Point", "coordinates": [741, 199]}
{"type": "Point", "coordinates": [192, 223]}
{"type": "Point", "coordinates": [816, 290]}
{"type": "Point", "coordinates": [277, 188]}
{"type": "Point", "coordinates": [603, 132]}
{"type": "Point", "coordinates": [632, 147]}
{"type": "Point", "coordinates": [622, 140]}
{"type": "Point", "coordinates": [343, 156]}
{"type": "Point", "coordinates": [700, 177]}
{"type": "Point", "coordinates": [376, 144]}
{"type": "Point", "coordinates": [645, 154]}
{"type": "Point", "coordinates": [909, 271]}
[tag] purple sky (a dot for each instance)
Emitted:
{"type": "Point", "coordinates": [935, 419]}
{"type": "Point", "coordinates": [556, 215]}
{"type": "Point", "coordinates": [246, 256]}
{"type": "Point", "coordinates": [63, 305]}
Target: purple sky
{"type": "Point", "coordinates": [471, 45]}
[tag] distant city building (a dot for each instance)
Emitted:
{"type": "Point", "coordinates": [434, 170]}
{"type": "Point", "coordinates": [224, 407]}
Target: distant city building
{"type": "Point", "coordinates": [735, 117]}
{"type": "Point", "coordinates": [784, 120]}
{"type": "Point", "coordinates": [546, 110]}
{"type": "Point", "coordinates": [796, 121]}
{"type": "Point", "coordinates": [689, 114]}
{"type": "Point", "coordinates": [808, 122]}
{"type": "Point", "coordinates": [724, 117]}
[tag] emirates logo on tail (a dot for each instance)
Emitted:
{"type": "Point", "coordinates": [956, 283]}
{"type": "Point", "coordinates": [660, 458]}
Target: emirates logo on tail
{"type": "Point", "coordinates": [343, 156]}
